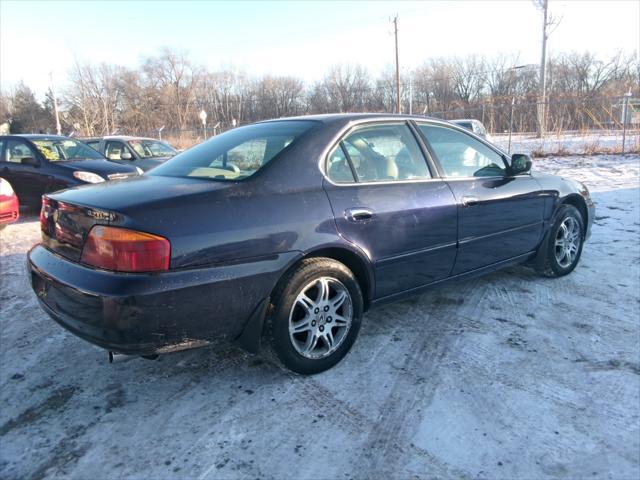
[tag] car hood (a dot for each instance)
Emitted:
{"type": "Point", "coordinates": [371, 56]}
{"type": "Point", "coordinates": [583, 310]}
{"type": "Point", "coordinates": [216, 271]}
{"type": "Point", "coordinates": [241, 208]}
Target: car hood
{"type": "Point", "coordinates": [103, 167]}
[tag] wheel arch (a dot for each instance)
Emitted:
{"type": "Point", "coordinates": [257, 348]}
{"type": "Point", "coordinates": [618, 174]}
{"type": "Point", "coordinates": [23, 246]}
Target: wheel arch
{"type": "Point", "coordinates": [250, 337]}
{"type": "Point", "coordinates": [355, 262]}
{"type": "Point", "coordinates": [577, 201]}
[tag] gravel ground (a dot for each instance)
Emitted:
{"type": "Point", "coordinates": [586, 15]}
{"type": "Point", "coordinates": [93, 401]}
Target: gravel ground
{"type": "Point", "coordinates": [505, 376]}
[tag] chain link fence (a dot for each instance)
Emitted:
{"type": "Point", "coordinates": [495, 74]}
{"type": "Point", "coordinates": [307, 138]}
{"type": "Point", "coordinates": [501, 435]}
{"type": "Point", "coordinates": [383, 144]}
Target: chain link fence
{"type": "Point", "coordinates": [594, 116]}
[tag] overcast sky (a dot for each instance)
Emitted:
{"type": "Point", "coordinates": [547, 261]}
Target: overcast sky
{"type": "Point", "coordinates": [296, 38]}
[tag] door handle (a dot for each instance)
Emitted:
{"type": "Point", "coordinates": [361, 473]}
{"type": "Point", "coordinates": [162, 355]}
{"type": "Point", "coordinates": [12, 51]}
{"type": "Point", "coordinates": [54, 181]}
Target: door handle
{"type": "Point", "coordinates": [469, 201]}
{"type": "Point", "coordinates": [358, 214]}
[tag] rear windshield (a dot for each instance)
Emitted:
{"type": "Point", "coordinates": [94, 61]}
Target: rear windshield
{"type": "Point", "coordinates": [59, 150]}
{"type": "Point", "coordinates": [235, 154]}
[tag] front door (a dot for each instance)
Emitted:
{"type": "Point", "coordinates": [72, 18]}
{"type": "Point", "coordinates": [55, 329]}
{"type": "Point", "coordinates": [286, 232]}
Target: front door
{"type": "Point", "coordinates": [27, 180]}
{"type": "Point", "coordinates": [500, 216]}
{"type": "Point", "coordinates": [385, 200]}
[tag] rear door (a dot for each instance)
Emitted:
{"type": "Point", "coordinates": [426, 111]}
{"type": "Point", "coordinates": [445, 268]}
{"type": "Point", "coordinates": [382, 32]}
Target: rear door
{"type": "Point", "coordinates": [500, 216]}
{"type": "Point", "coordinates": [386, 201]}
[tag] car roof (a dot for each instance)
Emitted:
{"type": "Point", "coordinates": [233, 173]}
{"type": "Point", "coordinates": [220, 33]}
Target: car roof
{"type": "Point", "coordinates": [464, 120]}
{"type": "Point", "coordinates": [328, 118]}
{"type": "Point", "coordinates": [124, 137]}
{"type": "Point", "coordinates": [39, 136]}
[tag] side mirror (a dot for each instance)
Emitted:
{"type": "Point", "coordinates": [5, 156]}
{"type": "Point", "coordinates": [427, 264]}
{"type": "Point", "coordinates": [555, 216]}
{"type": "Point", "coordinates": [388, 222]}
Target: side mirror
{"type": "Point", "coordinates": [126, 156]}
{"type": "Point", "coordinates": [32, 162]}
{"type": "Point", "coordinates": [520, 163]}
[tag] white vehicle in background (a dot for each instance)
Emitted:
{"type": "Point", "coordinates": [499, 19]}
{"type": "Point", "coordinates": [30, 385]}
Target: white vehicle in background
{"type": "Point", "coordinates": [473, 125]}
{"type": "Point", "coordinates": [141, 152]}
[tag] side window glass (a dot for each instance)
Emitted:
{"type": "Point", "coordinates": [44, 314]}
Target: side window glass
{"type": "Point", "coordinates": [382, 153]}
{"type": "Point", "coordinates": [2, 158]}
{"type": "Point", "coordinates": [461, 155]}
{"type": "Point", "coordinates": [116, 151]}
{"type": "Point", "coordinates": [17, 151]}
{"type": "Point", "coordinates": [338, 169]}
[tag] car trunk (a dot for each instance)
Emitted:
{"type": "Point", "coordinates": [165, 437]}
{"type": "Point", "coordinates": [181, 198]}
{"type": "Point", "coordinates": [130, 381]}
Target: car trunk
{"type": "Point", "coordinates": [65, 226]}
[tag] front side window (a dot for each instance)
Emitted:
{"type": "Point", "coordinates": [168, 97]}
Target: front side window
{"type": "Point", "coordinates": [59, 150]}
{"type": "Point", "coordinates": [461, 155]}
{"type": "Point", "coordinates": [17, 151]}
{"type": "Point", "coordinates": [379, 153]}
{"type": "Point", "coordinates": [236, 154]}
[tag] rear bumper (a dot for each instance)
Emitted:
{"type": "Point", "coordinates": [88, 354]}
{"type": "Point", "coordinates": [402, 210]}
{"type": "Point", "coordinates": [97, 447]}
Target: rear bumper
{"type": "Point", "coordinates": [143, 314]}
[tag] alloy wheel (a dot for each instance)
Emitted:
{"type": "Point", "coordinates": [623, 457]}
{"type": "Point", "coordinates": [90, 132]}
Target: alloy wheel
{"type": "Point", "coordinates": [567, 242]}
{"type": "Point", "coordinates": [320, 318]}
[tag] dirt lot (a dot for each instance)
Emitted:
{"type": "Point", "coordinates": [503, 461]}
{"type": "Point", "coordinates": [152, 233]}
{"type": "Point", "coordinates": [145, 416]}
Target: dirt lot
{"type": "Point", "coordinates": [505, 376]}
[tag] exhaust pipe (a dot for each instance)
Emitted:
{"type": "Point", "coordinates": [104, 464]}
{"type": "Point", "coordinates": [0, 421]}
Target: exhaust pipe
{"type": "Point", "coordinates": [120, 357]}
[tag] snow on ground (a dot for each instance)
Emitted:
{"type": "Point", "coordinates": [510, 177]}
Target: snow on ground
{"type": "Point", "coordinates": [505, 376]}
{"type": "Point", "coordinates": [576, 143]}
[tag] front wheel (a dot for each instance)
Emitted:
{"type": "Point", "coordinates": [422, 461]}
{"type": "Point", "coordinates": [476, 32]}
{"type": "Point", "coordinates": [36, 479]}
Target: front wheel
{"type": "Point", "coordinates": [564, 242]}
{"type": "Point", "coordinates": [316, 315]}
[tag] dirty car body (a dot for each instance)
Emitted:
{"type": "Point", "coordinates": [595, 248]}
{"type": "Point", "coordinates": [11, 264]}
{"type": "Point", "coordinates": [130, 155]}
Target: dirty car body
{"type": "Point", "coordinates": [235, 229]}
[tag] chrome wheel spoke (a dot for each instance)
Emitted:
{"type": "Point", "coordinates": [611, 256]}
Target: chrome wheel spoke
{"type": "Point", "coordinates": [310, 344]}
{"type": "Point", "coordinates": [328, 339]}
{"type": "Point", "coordinates": [306, 302]}
{"type": "Point", "coordinates": [323, 290]}
{"type": "Point", "coordinates": [340, 320]}
{"type": "Point", "coordinates": [338, 300]}
{"type": "Point", "coordinates": [301, 326]}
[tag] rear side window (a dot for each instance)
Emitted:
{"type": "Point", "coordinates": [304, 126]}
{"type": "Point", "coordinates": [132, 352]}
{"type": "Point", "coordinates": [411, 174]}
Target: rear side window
{"type": "Point", "coordinates": [461, 155]}
{"type": "Point", "coordinates": [338, 168]}
{"type": "Point", "coordinates": [378, 153]}
{"type": "Point", "coordinates": [236, 154]}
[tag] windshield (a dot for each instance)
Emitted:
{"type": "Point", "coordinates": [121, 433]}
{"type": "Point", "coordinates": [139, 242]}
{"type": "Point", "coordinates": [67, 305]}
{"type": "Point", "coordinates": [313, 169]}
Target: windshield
{"type": "Point", "coordinates": [58, 150]}
{"type": "Point", "coordinates": [151, 148]}
{"type": "Point", "coordinates": [235, 154]}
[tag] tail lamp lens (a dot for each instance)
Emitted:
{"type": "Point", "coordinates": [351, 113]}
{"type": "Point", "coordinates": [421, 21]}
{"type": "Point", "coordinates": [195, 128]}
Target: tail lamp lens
{"type": "Point", "coordinates": [45, 211]}
{"type": "Point", "coordinates": [124, 250]}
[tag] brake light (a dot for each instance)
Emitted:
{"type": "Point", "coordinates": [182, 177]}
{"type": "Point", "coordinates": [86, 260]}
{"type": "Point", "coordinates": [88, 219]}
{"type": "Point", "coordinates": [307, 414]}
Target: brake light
{"type": "Point", "coordinates": [124, 250]}
{"type": "Point", "coordinates": [45, 211]}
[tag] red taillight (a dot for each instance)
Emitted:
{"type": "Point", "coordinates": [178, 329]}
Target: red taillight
{"type": "Point", "coordinates": [124, 250]}
{"type": "Point", "coordinates": [45, 210]}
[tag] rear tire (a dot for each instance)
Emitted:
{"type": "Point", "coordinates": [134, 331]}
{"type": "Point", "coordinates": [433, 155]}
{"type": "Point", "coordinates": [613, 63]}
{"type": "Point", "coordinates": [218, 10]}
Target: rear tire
{"type": "Point", "coordinates": [315, 316]}
{"type": "Point", "coordinates": [561, 252]}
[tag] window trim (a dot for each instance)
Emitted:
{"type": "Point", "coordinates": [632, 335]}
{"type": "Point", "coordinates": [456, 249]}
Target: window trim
{"type": "Point", "coordinates": [350, 128]}
{"type": "Point", "coordinates": [464, 131]}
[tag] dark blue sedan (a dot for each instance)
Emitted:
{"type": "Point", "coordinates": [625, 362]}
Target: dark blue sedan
{"type": "Point", "coordinates": [38, 164]}
{"type": "Point", "coordinates": [281, 234]}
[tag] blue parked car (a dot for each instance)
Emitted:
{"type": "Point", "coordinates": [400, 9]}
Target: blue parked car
{"type": "Point", "coordinates": [281, 234]}
{"type": "Point", "coordinates": [39, 164]}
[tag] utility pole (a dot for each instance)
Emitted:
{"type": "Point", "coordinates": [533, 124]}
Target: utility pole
{"type": "Point", "coordinates": [55, 105]}
{"type": "Point", "coordinates": [410, 95]}
{"type": "Point", "coordinates": [395, 31]}
{"type": "Point", "coordinates": [542, 100]}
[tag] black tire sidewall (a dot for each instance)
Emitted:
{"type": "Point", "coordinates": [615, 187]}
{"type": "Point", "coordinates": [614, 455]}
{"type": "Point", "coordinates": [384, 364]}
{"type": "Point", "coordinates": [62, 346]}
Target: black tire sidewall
{"type": "Point", "coordinates": [564, 212]}
{"type": "Point", "coordinates": [281, 342]}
